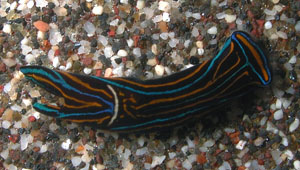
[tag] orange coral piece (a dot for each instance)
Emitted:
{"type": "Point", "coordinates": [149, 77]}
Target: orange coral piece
{"type": "Point", "coordinates": [41, 26]}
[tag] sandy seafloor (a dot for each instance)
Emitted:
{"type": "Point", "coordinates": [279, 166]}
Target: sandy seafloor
{"type": "Point", "coordinates": [147, 39]}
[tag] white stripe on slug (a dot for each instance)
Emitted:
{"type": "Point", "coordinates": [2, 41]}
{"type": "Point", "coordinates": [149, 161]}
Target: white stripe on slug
{"type": "Point", "coordinates": [116, 108]}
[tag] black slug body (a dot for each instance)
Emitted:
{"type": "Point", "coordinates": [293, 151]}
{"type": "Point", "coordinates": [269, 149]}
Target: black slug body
{"type": "Point", "coordinates": [123, 104]}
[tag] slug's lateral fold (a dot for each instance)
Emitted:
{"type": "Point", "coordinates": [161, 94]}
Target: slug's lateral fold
{"type": "Point", "coordinates": [126, 104]}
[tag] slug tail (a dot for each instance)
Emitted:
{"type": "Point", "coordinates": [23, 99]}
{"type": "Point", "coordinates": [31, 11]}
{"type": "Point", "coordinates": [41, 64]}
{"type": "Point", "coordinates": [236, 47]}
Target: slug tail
{"type": "Point", "coordinates": [256, 59]}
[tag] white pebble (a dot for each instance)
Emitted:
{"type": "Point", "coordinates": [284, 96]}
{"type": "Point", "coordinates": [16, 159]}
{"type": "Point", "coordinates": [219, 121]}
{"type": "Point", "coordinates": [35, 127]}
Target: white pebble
{"type": "Point", "coordinates": [157, 160]}
{"type": "Point", "coordinates": [172, 155]}
{"type": "Point", "coordinates": [241, 145]}
{"type": "Point", "coordinates": [166, 17]}
{"type": "Point", "coordinates": [114, 22]}
{"type": "Point", "coordinates": [68, 65]}
{"type": "Point", "coordinates": [29, 58]}
{"type": "Point", "coordinates": [149, 13]}
{"type": "Point", "coordinates": [258, 141]}
{"type": "Point", "coordinates": [89, 28]}
{"type": "Point", "coordinates": [278, 103]}
{"type": "Point", "coordinates": [229, 130]}
{"type": "Point", "coordinates": [159, 70]}
{"type": "Point", "coordinates": [141, 151]}
{"type": "Point", "coordinates": [184, 149]}
{"type": "Point", "coordinates": [225, 166]}
{"type": "Point", "coordinates": [7, 87]}
{"type": "Point", "coordinates": [121, 28]}
{"type": "Point", "coordinates": [149, 75]}
{"type": "Point", "coordinates": [97, 10]}
{"type": "Point", "coordinates": [6, 28]}
{"type": "Point", "coordinates": [108, 52]}
{"type": "Point", "coordinates": [239, 22]}
{"type": "Point", "coordinates": [16, 107]}
{"type": "Point", "coordinates": [147, 166]}
{"type": "Point", "coordinates": [60, 11]}
{"type": "Point", "coordinates": [297, 26]}
{"type": "Point", "coordinates": [27, 102]}
{"type": "Point", "coordinates": [137, 52]}
{"type": "Point", "coordinates": [271, 127]}
{"type": "Point", "coordinates": [164, 35]}
{"type": "Point", "coordinates": [56, 62]}
{"type": "Point", "coordinates": [157, 18]}
{"type": "Point", "coordinates": [196, 15]}
{"type": "Point", "coordinates": [275, 1]}
{"type": "Point", "coordinates": [26, 49]}
{"type": "Point", "coordinates": [200, 51]}
{"type": "Point", "coordinates": [127, 153]}
{"type": "Point", "coordinates": [273, 37]}
{"type": "Point", "coordinates": [187, 43]}
{"type": "Point", "coordinates": [25, 139]}
{"type": "Point", "coordinates": [188, 14]}
{"type": "Point", "coordinates": [171, 35]}
{"type": "Point", "coordinates": [230, 18]}
{"type": "Point", "coordinates": [18, 124]}
{"type": "Point", "coordinates": [190, 143]}
{"type": "Point", "coordinates": [34, 93]}
{"type": "Point", "coordinates": [173, 42]}
{"type": "Point", "coordinates": [130, 42]}
{"type": "Point", "coordinates": [76, 160]}
{"type": "Point", "coordinates": [164, 6]}
{"type": "Point", "coordinates": [155, 36]}
{"type": "Point", "coordinates": [195, 32]}
{"type": "Point", "coordinates": [119, 70]}
{"type": "Point", "coordinates": [44, 148]}
{"type": "Point", "coordinates": [37, 115]}
{"type": "Point", "coordinates": [6, 124]}
{"type": "Point", "coordinates": [41, 3]}
{"type": "Point", "coordinates": [55, 37]}
{"type": "Point", "coordinates": [192, 158]}
{"type": "Point", "coordinates": [103, 40]}
{"type": "Point", "coordinates": [30, 4]}
{"type": "Point", "coordinates": [87, 70]}
{"type": "Point", "coordinates": [293, 59]}
{"type": "Point", "coordinates": [124, 1]}
{"type": "Point", "coordinates": [140, 4]}
{"type": "Point", "coordinates": [276, 156]}
{"type": "Point", "coordinates": [296, 164]}
{"type": "Point", "coordinates": [9, 62]}
{"type": "Point", "coordinates": [270, 12]}
{"type": "Point", "coordinates": [13, 6]}
{"type": "Point", "coordinates": [154, 49]}
{"type": "Point", "coordinates": [122, 53]}
{"type": "Point", "coordinates": [278, 115]}
{"type": "Point", "coordinates": [289, 154]}
{"type": "Point", "coordinates": [223, 3]}
{"type": "Point", "coordinates": [66, 145]}
{"type": "Point", "coordinates": [268, 25]}
{"type": "Point", "coordinates": [212, 30]}
{"type": "Point", "coordinates": [294, 125]}
{"type": "Point", "coordinates": [151, 62]}
{"type": "Point", "coordinates": [4, 153]}
{"type": "Point", "coordinates": [282, 34]}
{"type": "Point", "coordinates": [187, 164]}
{"type": "Point", "coordinates": [284, 139]}
{"type": "Point", "coordinates": [286, 103]}
{"type": "Point", "coordinates": [220, 15]}
{"type": "Point", "coordinates": [209, 143]}
{"type": "Point", "coordinates": [263, 121]}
